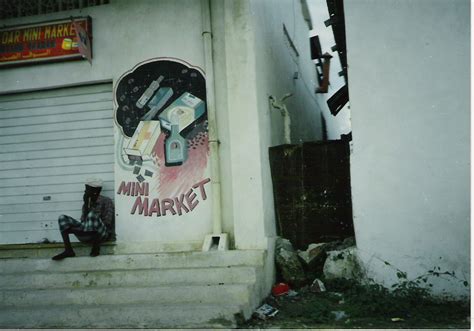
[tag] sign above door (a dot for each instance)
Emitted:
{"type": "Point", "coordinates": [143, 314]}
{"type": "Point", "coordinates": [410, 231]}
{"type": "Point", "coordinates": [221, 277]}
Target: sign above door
{"type": "Point", "coordinates": [44, 42]}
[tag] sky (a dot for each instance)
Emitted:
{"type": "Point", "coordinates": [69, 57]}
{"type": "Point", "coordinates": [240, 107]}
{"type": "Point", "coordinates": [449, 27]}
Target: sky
{"type": "Point", "coordinates": [340, 124]}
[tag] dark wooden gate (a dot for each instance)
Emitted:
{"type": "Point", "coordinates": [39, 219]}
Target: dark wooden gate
{"type": "Point", "coordinates": [312, 192]}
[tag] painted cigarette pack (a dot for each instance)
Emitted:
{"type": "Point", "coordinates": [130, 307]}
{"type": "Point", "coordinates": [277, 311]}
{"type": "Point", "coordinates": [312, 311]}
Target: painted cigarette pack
{"type": "Point", "coordinates": [143, 140]}
{"type": "Point", "coordinates": [182, 112]}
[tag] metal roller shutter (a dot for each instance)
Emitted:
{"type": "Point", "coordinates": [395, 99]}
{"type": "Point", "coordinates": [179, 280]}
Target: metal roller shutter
{"type": "Point", "coordinates": [50, 142]}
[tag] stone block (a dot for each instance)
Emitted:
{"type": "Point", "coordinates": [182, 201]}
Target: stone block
{"type": "Point", "coordinates": [289, 264]}
{"type": "Point", "coordinates": [341, 264]}
{"type": "Point", "coordinates": [313, 254]}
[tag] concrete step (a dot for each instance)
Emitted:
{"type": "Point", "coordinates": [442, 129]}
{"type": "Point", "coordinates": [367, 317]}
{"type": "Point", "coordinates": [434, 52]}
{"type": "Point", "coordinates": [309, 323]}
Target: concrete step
{"type": "Point", "coordinates": [238, 294]}
{"type": "Point", "coordinates": [48, 250]}
{"type": "Point", "coordinates": [123, 316]}
{"type": "Point", "coordinates": [136, 261]}
{"type": "Point", "coordinates": [155, 290]}
{"type": "Point", "coordinates": [140, 277]}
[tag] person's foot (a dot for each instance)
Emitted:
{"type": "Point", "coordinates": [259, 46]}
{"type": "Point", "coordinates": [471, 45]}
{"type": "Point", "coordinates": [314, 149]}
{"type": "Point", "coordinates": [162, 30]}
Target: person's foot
{"type": "Point", "coordinates": [63, 255]}
{"type": "Point", "coordinates": [95, 251]}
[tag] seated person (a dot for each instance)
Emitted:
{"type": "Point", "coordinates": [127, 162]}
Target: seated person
{"type": "Point", "coordinates": [96, 225]}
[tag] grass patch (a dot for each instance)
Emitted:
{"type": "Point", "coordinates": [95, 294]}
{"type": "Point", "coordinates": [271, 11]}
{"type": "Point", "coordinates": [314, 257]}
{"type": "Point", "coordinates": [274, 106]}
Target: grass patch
{"type": "Point", "coordinates": [414, 305]}
{"type": "Point", "coordinates": [366, 306]}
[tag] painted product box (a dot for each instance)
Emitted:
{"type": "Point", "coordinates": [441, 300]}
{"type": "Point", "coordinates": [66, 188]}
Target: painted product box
{"type": "Point", "coordinates": [143, 140]}
{"type": "Point", "coordinates": [182, 112]}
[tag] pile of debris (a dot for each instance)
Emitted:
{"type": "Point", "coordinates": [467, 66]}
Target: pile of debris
{"type": "Point", "coordinates": [329, 260]}
{"type": "Point", "coordinates": [302, 271]}
{"type": "Point", "coordinates": [323, 287]}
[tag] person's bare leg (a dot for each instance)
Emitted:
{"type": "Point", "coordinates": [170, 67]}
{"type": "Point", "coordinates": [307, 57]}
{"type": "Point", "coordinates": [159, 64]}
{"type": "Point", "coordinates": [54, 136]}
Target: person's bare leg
{"type": "Point", "coordinates": [68, 251]}
{"type": "Point", "coordinates": [95, 251]}
{"type": "Point", "coordinates": [90, 237]}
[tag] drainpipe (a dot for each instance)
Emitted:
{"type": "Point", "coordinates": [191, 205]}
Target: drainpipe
{"type": "Point", "coordinates": [217, 240]}
{"type": "Point", "coordinates": [280, 105]}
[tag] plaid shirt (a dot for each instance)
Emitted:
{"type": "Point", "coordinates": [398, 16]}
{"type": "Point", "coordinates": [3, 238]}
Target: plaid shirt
{"type": "Point", "coordinates": [104, 209]}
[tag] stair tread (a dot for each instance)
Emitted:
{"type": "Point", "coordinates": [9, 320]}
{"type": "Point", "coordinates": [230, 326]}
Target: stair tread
{"type": "Point", "coordinates": [122, 315]}
{"type": "Point", "coordinates": [72, 271]}
{"type": "Point", "coordinates": [152, 277]}
{"type": "Point", "coordinates": [238, 293]}
{"type": "Point", "coordinates": [184, 253]}
{"type": "Point", "coordinates": [152, 290]}
{"type": "Point", "coordinates": [121, 305]}
{"type": "Point", "coordinates": [134, 261]}
{"type": "Point", "coordinates": [112, 288]}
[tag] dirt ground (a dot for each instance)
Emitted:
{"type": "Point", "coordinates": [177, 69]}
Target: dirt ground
{"type": "Point", "coordinates": [346, 305]}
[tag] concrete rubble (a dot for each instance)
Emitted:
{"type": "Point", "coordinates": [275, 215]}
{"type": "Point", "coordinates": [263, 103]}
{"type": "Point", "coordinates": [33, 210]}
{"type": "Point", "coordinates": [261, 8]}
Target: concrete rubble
{"type": "Point", "coordinates": [288, 263]}
{"type": "Point", "coordinates": [317, 286]}
{"type": "Point", "coordinates": [336, 259]}
{"type": "Point", "coordinates": [313, 254]}
{"type": "Point", "coordinates": [341, 264]}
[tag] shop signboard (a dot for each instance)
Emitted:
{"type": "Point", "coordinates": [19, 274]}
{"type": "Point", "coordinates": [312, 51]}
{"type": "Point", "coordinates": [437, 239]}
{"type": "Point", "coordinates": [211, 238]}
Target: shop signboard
{"type": "Point", "coordinates": [42, 42]}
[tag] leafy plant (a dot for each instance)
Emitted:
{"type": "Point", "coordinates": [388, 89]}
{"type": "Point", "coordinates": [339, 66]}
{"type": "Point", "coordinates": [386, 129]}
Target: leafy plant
{"type": "Point", "coordinates": [409, 298]}
{"type": "Point", "coordinates": [418, 287]}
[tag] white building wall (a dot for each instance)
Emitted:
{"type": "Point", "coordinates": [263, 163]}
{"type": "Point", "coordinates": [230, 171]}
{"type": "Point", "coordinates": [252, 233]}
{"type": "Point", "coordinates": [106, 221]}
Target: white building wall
{"type": "Point", "coordinates": [240, 133]}
{"type": "Point", "coordinates": [282, 71]}
{"type": "Point", "coordinates": [253, 60]}
{"type": "Point", "coordinates": [409, 89]}
{"type": "Point", "coordinates": [260, 63]}
{"type": "Point", "coordinates": [126, 33]}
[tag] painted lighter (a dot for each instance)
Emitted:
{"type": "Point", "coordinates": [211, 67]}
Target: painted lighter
{"type": "Point", "coordinates": [176, 149]}
{"type": "Point", "coordinates": [154, 85]}
{"type": "Point", "coordinates": [157, 102]}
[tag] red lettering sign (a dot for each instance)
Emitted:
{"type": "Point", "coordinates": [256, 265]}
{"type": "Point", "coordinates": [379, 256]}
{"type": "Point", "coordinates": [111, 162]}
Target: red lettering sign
{"type": "Point", "coordinates": [50, 41]}
{"type": "Point", "coordinates": [185, 202]}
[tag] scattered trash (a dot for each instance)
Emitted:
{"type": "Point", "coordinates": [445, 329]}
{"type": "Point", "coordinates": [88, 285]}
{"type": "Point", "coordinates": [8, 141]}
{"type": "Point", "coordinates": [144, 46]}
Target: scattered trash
{"type": "Point", "coordinates": [280, 289]}
{"type": "Point", "coordinates": [265, 312]}
{"type": "Point", "coordinates": [292, 294]}
{"type": "Point", "coordinates": [397, 319]}
{"type": "Point", "coordinates": [339, 315]}
{"type": "Point", "coordinates": [317, 286]}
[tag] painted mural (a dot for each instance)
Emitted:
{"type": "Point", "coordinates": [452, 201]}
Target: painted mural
{"type": "Point", "coordinates": [160, 109]}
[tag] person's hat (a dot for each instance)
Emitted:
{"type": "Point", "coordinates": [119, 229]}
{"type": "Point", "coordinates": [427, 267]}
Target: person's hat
{"type": "Point", "coordinates": [94, 182]}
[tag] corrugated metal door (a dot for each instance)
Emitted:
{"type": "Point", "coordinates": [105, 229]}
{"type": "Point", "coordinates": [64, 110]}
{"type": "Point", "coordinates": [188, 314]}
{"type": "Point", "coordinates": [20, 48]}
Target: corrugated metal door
{"type": "Point", "coordinates": [50, 142]}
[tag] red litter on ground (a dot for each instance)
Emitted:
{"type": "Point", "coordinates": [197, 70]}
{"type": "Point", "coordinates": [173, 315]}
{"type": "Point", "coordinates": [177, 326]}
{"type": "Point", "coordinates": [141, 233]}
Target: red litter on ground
{"type": "Point", "coordinates": [280, 289]}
